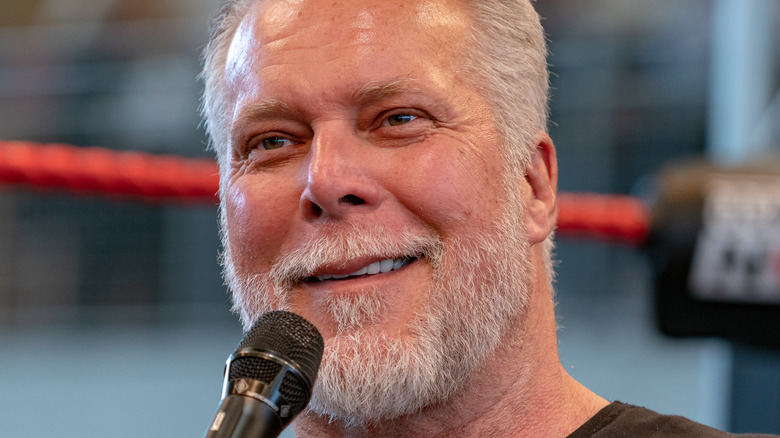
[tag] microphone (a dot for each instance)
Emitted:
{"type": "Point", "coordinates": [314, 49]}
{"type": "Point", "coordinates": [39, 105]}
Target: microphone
{"type": "Point", "coordinates": [269, 378]}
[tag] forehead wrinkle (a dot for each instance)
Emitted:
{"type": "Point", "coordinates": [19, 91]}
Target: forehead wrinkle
{"type": "Point", "coordinates": [364, 20]}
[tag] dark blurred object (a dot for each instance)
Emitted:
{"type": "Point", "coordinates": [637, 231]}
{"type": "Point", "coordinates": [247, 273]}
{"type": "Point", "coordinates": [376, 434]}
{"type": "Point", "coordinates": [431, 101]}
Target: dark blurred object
{"type": "Point", "coordinates": [715, 249]}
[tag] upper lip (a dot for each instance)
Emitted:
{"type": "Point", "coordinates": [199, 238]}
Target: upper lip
{"type": "Point", "coordinates": [346, 267]}
{"type": "Point", "coordinates": [368, 265]}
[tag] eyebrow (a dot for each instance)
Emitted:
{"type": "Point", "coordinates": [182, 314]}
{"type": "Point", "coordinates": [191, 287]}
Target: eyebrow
{"type": "Point", "coordinates": [264, 109]}
{"type": "Point", "coordinates": [375, 91]}
{"type": "Point", "coordinates": [372, 92]}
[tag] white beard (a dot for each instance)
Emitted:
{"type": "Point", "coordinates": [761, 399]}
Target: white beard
{"type": "Point", "coordinates": [368, 375]}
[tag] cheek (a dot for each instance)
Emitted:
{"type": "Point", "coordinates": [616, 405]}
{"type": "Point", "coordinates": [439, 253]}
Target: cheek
{"type": "Point", "coordinates": [257, 222]}
{"type": "Point", "coordinates": [451, 190]}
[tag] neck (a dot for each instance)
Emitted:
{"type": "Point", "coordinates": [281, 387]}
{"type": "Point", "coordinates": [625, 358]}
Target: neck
{"type": "Point", "coordinates": [521, 391]}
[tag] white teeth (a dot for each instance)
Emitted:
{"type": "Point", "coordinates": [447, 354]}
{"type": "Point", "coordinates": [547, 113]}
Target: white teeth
{"type": "Point", "coordinates": [360, 271]}
{"type": "Point", "coordinates": [373, 268]}
{"type": "Point", "coordinates": [386, 265]}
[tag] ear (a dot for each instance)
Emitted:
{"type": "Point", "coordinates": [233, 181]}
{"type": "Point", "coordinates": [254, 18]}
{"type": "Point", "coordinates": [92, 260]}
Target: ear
{"type": "Point", "coordinates": [542, 177]}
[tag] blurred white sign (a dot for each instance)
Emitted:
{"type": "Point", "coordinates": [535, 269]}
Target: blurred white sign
{"type": "Point", "coordinates": [737, 254]}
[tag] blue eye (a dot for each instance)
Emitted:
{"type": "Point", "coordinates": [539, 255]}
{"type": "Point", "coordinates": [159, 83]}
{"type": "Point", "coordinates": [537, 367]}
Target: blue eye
{"type": "Point", "coordinates": [275, 142]}
{"type": "Point", "coordinates": [400, 119]}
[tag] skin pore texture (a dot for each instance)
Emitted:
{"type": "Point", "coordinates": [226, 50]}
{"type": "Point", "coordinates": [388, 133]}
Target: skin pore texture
{"type": "Point", "coordinates": [368, 191]}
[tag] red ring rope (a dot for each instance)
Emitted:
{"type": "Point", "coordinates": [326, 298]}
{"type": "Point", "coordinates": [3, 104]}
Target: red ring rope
{"type": "Point", "coordinates": [607, 217]}
{"type": "Point", "coordinates": [97, 170]}
{"type": "Point", "coordinates": [170, 178]}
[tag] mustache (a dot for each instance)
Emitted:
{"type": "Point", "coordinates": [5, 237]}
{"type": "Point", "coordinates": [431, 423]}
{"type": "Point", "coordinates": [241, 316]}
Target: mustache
{"type": "Point", "coordinates": [338, 244]}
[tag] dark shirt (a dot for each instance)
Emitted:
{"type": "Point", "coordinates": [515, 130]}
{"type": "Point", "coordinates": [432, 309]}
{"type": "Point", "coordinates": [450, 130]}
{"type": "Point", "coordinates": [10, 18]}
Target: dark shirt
{"type": "Point", "coordinates": [621, 420]}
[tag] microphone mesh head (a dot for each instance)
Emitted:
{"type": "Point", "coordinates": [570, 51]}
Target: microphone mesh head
{"type": "Point", "coordinates": [256, 368]}
{"type": "Point", "coordinates": [289, 336]}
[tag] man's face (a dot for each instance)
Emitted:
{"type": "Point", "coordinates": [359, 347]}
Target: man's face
{"type": "Point", "coordinates": [357, 146]}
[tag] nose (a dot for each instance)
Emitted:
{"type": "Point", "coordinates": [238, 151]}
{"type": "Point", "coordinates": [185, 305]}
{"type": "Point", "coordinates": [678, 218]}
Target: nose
{"type": "Point", "coordinates": [339, 176]}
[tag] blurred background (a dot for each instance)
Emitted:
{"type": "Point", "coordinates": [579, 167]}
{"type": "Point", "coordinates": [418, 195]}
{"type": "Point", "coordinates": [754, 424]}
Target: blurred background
{"type": "Point", "coordinates": [113, 317]}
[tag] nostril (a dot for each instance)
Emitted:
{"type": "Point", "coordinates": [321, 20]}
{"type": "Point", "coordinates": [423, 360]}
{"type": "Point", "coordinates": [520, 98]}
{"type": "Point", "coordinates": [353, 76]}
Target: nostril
{"type": "Point", "coordinates": [316, 209]}
{"type": "Point", "coordinates": [351, 200]}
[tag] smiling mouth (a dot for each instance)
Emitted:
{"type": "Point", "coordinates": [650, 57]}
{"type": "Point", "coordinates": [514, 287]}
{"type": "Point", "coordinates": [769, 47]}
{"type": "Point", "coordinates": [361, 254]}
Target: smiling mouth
{"type": "Point", "coordinates": [379, 267]}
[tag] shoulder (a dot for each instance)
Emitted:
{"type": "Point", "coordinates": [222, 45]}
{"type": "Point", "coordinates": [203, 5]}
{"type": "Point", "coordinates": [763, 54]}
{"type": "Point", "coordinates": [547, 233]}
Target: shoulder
{"type": "Point", "coordinates": [621, 420]}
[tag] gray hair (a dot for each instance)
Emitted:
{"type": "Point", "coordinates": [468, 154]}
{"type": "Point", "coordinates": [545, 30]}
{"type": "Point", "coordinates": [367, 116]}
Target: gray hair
{"type": "Point", "coordinates": [507, 59]}
{"type": "Point", "coordinates": [214, 103]}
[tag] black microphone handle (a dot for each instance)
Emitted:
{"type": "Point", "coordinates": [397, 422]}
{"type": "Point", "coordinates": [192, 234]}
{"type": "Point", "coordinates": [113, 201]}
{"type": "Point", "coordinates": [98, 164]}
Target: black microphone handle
{"type": "Point", "coordinates": [239, 416]}
{"type": "Point", "coordinates": [269, 378]}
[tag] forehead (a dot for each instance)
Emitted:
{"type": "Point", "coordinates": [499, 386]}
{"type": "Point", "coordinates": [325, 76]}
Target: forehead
{"type": "Point", "coordinates": [283, 18]}
{"type": "Point", "coordinates": [353, 36]}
